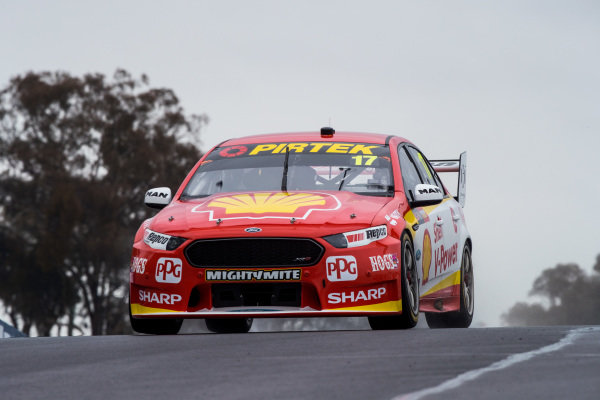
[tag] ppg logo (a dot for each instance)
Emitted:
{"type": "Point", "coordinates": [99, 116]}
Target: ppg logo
{"type": "Point", "coordinates": [341, 268]}
{"type": "Point", "coordinates": [168, 270]}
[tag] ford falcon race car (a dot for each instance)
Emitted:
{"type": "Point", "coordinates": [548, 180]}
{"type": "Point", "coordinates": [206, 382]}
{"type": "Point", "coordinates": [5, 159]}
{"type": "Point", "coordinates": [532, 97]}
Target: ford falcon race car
{"type": "Point", "coordinates": [306, 225]}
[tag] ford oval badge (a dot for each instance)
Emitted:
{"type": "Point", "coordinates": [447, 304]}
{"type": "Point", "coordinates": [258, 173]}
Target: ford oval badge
{"type": "Point", "coordinates": [253, 230]}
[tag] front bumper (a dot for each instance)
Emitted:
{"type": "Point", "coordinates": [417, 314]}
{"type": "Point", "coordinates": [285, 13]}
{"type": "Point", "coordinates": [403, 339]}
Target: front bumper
{"type": "Point", "coordinates": [345, 282]}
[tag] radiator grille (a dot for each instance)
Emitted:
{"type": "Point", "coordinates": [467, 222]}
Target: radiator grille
{"type": "Point", "coordinates": [254, 252]}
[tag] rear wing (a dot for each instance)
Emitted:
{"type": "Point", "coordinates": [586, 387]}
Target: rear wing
{"type": "Point", "coordinates": [460, 166]}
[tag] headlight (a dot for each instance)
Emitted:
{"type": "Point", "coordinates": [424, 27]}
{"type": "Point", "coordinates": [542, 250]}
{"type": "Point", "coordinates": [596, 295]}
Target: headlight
{"type": "Point", "coordinates": [160, 241]}
{"type": "Point", "coordinates": [357, 238]}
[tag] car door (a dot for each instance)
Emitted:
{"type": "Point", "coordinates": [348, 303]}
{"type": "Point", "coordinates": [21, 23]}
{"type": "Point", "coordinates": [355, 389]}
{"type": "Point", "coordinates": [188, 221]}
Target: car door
{"type": "Point", "coordinates": [444, 241]}
{"type": "Point", "coordinates": [435, 237]}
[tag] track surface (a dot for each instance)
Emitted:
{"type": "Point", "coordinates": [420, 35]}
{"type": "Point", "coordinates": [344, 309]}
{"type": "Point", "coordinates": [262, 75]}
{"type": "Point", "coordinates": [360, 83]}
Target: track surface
{"type": "Point", "coordinates": [304, 365]}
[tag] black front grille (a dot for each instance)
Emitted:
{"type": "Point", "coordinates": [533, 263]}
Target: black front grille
{"type": "Point", "coordinates": [256, 294]}
{"type": "Point", "coordinates": [254, 252]}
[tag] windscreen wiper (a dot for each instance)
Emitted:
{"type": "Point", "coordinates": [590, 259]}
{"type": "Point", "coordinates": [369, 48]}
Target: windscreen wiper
{"type": "Point", "coordinates": [285, 170]}
{"type": "Point", "coordinates": [344, 176]}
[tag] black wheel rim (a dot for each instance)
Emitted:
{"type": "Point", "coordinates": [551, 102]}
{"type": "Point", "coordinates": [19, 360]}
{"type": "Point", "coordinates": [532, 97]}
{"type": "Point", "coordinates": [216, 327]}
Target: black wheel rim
{"type": "Point", "coordinates": [468, 281]}
{"type": "Point", "coordinates": [411, 278]}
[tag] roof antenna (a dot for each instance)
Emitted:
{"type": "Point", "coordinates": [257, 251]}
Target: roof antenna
{"type": "Point", "coordinates": [327, 132]}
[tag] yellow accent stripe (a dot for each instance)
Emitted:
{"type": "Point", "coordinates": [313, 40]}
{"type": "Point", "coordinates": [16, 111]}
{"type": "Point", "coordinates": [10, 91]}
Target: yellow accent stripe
{"type": "Point", "coordinates": [412, 219]}
{"type": "Point", "coordinates": [391, 306]}
{"type": "Point", "coordinates": [137, 309]}
{"type": "Point", "coordinates": [452, 280]}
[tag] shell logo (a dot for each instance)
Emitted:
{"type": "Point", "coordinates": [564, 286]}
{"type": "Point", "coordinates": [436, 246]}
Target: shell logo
{"type": "Point", "coordinates": [261, 203]}
{"type": "Point", "coordinates": [426, 256]}
{"type": "Point", "coordinates": [268, 205]}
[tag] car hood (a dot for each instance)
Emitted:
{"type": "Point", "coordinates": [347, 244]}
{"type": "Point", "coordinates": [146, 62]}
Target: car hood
{"type": "Point", "coordinates": [298, 213]}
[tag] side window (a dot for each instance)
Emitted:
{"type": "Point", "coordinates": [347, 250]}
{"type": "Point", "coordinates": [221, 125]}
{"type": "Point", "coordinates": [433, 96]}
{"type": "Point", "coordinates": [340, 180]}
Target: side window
{"type": "Point", "coordinates": [422, 167]}
{"type": "Point", "coordinates": [426, 171]}
{"type": "Point", "coordinates": [410, 176]}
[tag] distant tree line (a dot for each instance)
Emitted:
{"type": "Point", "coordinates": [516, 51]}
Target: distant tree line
{"type": "Point", "coordinates": [572, 297]}
{"type": "Point", "coordinates": [76, 157]}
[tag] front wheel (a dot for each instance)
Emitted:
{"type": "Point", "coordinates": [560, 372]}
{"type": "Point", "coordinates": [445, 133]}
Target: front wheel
{"type": "Point", "coordinates": [463, 317]}
{"type": "Point", "coordinates": [410, 292]}
{"type": "Point", "coordinates": [233, 325]}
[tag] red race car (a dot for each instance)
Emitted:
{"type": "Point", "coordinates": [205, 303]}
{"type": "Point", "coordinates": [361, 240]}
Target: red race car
{"type": "Point", "coordinates": [305, 225]}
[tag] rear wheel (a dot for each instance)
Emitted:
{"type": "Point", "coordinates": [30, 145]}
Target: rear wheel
{"type": "Point", "coordinates": [410, 293]}
{"type": "Point", "coordinates": [233, 325]}
{"type": "Point", "coordinates": [463, 317]}
{"type": "Point", "coordinates": [155, 326]}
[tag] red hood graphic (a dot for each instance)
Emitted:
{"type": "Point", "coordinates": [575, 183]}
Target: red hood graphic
{"type": "Point", "coordinates": [264, 205]}
{"type": "Point", "coordinates": [324, 211]}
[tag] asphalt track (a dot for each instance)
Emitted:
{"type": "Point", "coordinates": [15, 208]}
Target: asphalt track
{"type": "Point", "coordinates": [483, 363]}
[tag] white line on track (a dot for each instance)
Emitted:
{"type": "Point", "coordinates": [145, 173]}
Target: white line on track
{"type": "Point", "coordinates": [502, 364]}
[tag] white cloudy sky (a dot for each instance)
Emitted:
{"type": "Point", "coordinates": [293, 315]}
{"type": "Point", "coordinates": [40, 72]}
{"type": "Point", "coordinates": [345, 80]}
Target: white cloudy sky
{"type": "Point", "coordinates": [515, 83]}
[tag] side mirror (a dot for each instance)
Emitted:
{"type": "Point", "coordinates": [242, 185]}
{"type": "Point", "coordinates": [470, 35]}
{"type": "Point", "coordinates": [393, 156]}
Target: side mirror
{"type": "Point", "coordinates": [158, 197]}
{"type": "Point", "coordinates": [428, 194]}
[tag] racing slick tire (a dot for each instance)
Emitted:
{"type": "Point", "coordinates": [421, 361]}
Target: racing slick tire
{"type": "Point", "coordinates": [463, 317]}
{"type": "Point", "coordinates": [155, 326]}
{"type": "Point", "coordinates": [233, 325]}
{"type": "Point", "coordinates": [410, 292]}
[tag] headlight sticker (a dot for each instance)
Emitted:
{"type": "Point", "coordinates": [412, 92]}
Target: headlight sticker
{"type": "Point", "coordinates": [363, 237]}
{"type": "Point", "coordinates": [156, 240]}
{"type": "Point", "coordinates": [160, 241]}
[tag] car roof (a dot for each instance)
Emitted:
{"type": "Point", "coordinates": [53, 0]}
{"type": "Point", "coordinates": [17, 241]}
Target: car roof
{"type": "Point", "coordinates": [375, 138]}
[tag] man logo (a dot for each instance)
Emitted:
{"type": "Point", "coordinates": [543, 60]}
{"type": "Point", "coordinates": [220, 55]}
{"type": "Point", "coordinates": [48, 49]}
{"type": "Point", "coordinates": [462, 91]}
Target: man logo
{"type": "Point", "coordinates": [430, 190]}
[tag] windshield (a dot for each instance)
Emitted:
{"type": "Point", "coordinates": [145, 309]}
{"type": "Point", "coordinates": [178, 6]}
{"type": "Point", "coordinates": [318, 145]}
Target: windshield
{"type": "Point", "coordinates": [355, 167]}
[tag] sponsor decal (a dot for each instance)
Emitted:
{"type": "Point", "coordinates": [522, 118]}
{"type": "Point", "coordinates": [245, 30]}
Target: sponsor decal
{"type": "Point", "coordinates": [302, 259]}
{"type": "Point", "coordinates": [418, 255]}
{"type": "Point", "coordinates": [238, 275]}
{"type": "Point", "coordinates": [395, 214]}
{"type": "Point", "coordinates": [425, 166]}
{"type": "Point", "coordinates": [376, 233]}
{"type": "Point", "coordinates": [355, 237]}
{"type": "Point", "coordinates": [391, 221]}
{"type": "Point", "coordinates": [421, 215]}
{"type": "Point", "coordinates": [162, 195]}
{"type": "Point", "coordinates": [445, 257]}
{"type": "Point", "coordinates": [260, 203]}
{"type": "Point", "coordinates": [318, 147]}
{"type": "Point", "coordinates": [353, 296]}
{"type": "Point", "coordinates": [363, 237]}
{"type": "Point", "coordinates": [426, 256]}
{"type": "Point", "coordinates": [233, 151]}
{"type": "Point", "coordinates": [253, 230]}
{"type": "Point", "coordinates": [267, 205]}
{"type": "Point", "coordinates": [430, 190]}
{"type": "Point", "coordinates": [341, 268]}
{"type": "Point", "coordinates": [138, 265]}
{"type": "Point", "coordinates": [158, 298]}
{"type": "Point", "coordinates": [168, 270]}
{"type": "Point", "coordinates": [156, 240]}
{"type": "Point", "coordinates": [438, 233]}
{"type": "Point", "coordinates": [436, 164]}
{"type": "Point", "coordinates": [384, 262]}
